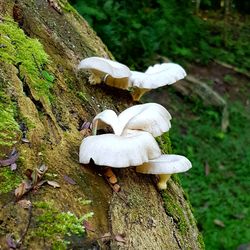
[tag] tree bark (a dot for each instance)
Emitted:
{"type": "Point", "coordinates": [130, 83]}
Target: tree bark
{"type": "Point", "coordinates": [138, 217]}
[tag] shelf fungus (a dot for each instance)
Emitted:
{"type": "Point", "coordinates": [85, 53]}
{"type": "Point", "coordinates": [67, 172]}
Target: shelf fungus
{"type": "Point", "coordinates": [132, 149]}
{"type": "Point", "coordinates": [111, 72]}
{"type": "Point", "coordinates": [164, 166]}
{"type": "Point", "coordinates": [150, 117]}
{"type": "Point", "coordinates": [119, 75]}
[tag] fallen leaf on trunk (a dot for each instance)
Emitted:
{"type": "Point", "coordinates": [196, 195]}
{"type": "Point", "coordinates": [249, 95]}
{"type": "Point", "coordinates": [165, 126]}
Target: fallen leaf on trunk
{"type": "Point", "coordinates": [54, 184]}
{"type": "Point", "coordinates": [10, 241]}
{"type": "Point", "coordinates": [120, 238]}
{"type": "Point", "coordinates": [88, 226]}
{"type": "Point", "coordinates": [69, 180]}
{"type": "Point", "coordinates": [106, 237]}
{"type": "Point", "coordinates": [116, 188]}
{"type": "Point", "coordinates": [12, 159]}
{"type": "Point", "coordinates": [23, 188]}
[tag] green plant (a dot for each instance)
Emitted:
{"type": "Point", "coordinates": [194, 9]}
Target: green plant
{"type": "Point", "coordinates": [55, 225]}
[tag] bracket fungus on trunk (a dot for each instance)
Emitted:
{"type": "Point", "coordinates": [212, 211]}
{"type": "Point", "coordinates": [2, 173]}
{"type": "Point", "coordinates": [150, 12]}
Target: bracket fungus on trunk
{"type": "Point", "coordinates": [132, 149]}
{"type": "Point", "coordinates": [149, 117]}
{"type": "Point", "coordinates": [119, 75]}
{"type": "Point", "coordinates": [164, 166]}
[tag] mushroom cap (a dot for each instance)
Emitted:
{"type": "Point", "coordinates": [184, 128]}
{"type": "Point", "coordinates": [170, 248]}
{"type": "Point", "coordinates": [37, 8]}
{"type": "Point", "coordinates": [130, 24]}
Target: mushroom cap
{"type": "Point", "coordinates": [157, 76]}
{"type": "Point", "coordinates": [105, 66]}
{"type": "Point", "coordinates": [106, 117]}
{"type": "Point", "coordinates": [149, 117]}
{"type": "Point", "coordinates": [133, 149]}
{"type": "Point", "coordinates": [165, 164]}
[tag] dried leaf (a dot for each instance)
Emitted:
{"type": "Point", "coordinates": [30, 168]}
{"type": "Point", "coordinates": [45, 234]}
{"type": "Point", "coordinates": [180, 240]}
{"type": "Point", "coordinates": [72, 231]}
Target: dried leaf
{"type": "Point", "coordinates": [88, 226]}
{"type": "Point", "coordinates": [40, 183]}
{"type": "Point", "coordinates": [54, 184]}
{"type": "Point", "coordinates": [10, 241]}
{"type": "Point", "coordinates": [69, 180]}
{"type": "Point", "coordinates": [24, 203]}
{"type": "Point", "coordinates": [219, 223]}
{"type": "Point", "coordinates": [25, 140]}
{"type": "Point", "coordinates": [23, 188]}
{"type": "Point", "coordinates": [120, 238]}
{"type": "Point", "coordinates": [106, 237]}
{"type": "Point", "coordinates": [12, 159]}
{"type": "Point", "coordinates": [13, 166]}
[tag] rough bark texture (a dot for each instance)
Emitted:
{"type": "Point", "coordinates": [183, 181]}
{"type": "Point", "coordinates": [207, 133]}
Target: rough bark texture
{"type": "Point", "coordinates": [148, 219]}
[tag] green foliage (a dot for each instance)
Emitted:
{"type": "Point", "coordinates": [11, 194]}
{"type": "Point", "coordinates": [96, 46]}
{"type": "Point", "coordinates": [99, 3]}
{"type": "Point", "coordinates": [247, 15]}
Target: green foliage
{"type": "Point", "coordinates": [223, 193]}
{"type": "Point", "coordinates": [136, 31]}
{"type": "Point", "coordinates": [55, 225]}
{"type": "Point", "coordinates": [8, 180]}
{"type": "Point", "coordinates": [28, 56]}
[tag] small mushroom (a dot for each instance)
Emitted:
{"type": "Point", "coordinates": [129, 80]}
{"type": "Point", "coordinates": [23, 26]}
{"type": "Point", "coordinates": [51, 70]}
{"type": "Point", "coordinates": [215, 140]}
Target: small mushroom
{"type": "Point", "coordinates": [132, 149]}
{"type": "Point", "coordinates": [154, 77]}
{"type": "Point", "coordinates": [149, 117]}
{"type": "Point", "coordinates": [164, 166]}
{"type": "Point", "coordinates": [111, 72]}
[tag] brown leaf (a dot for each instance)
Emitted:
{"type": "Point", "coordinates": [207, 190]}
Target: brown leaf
{"type": "Point", "coordinates": [24, 203]}
{"type": "Point", "coordinates": [88, 226]}
{"type": "Point", "coordinates": [11, 242]}
{"type": "Point", "coordinates": [219, 223]}
{"type": "Point", "coordinates": [54, 184]}
{"type": "Point", "coordinates": [22, 188]}
{"type": "Point", "coordinates": [120, 238]}
{"type": "Point", "coordinates": [106, 237]}
{"type": "Point", "coordinates": [69, 180]}
{"type": "Point", "coordinates": [25, 140]}
{"type": "Point", "coordinates": [40, 183]}
{"type": "Point", "coordinates": [28, 173]}
{"type": "Point", "coordinates": [12, 159]}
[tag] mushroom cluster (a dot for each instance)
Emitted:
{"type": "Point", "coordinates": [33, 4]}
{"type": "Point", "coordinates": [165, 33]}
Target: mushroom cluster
{"type": "Point", "coordinates": [120, 76]}
{"type": "Point", "coordinates": [132, 142]}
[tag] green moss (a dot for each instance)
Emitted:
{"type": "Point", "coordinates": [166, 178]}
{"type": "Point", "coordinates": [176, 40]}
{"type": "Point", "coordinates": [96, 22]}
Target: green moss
{"type": "Point", "coordinates": [8, 180]}
{"type": "Point", "coordinates": [28, 55]}
{"type": "Point", "coordinates": [201, 241]}
{"type": "Point", "coordinates": [175, 211]}
{"type": "Point", "coordinates": [164, 143]}
{"type": "Point", "coordinates": [55, 225]}
{"type": "Point", "coordinates": [9, 128]}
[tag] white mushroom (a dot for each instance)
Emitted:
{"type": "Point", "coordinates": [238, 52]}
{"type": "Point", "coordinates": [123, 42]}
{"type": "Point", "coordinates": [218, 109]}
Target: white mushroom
{"type": "Point", "coordinates": [155, 76]}
{"type": "Point", "coordinates": [164, 166]}
{"type": "Point", "coordinates": [119, 75]}
{"type": "Point", "coordinates": [149, 117]}
{"type": "Point", "coordinates": [132, 149]}
{"type": "Point", "coordinates": [106, 117]}
{"type": "Point", "coordinates": [111, 72]}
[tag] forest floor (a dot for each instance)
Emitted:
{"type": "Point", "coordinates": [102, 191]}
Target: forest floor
{"type": "Point", "coordinates": [219, 182]}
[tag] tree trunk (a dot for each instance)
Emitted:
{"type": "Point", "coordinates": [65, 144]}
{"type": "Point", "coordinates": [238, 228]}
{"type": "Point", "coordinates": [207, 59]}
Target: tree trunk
{"type": "Point", "coordinates": [44, 101]}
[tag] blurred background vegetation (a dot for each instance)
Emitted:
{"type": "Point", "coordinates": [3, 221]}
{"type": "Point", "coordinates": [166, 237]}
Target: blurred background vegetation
{"type": "Point", "coordinates": [195, 34]}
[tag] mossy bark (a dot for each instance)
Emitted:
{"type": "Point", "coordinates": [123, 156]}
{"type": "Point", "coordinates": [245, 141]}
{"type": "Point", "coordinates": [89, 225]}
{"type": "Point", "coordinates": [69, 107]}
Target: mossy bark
{"type": "Point", "coordinates": [148, 219]}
